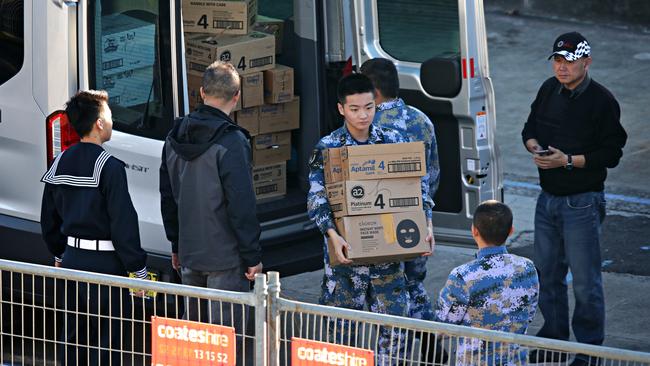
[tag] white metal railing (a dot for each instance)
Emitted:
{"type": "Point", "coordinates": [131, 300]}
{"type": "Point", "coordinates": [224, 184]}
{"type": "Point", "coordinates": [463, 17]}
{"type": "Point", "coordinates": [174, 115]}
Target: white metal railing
{"type": "Point", "coordinates": [39, 302]}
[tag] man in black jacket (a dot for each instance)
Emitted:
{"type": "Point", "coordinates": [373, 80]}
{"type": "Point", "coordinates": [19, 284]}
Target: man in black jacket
{"type": "Point", "coordinates": [207, 199]}
{"type": "Point", "coordinates": [574, 133]}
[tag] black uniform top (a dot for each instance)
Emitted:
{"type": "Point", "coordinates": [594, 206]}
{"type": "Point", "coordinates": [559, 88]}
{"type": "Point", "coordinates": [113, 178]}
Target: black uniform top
{"type": "Point", "coordinates": [86, 196]}
{"type": "Point", "coordinates": [583, 122]}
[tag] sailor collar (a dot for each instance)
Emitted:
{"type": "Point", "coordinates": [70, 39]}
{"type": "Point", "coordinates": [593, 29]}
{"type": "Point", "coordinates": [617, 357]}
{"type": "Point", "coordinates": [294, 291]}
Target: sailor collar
{"type": "Point", "coordinates": [52, 177]}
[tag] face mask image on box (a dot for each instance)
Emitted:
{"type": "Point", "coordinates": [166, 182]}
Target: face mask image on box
{"type": "Point", "coordinates": [408, 234]}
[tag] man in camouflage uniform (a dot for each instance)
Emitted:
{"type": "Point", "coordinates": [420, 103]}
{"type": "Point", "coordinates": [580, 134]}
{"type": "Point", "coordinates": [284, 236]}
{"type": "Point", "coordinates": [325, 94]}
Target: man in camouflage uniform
{"type": "Point", "coordinates": [413, 125]}
{"type": "Point", "coordinates": [497, 291]}
{"type": "Point", "coordinates": [382, 286]}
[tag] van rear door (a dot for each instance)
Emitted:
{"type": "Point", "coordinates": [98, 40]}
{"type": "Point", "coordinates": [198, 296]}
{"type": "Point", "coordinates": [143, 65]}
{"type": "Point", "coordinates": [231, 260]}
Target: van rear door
{"type": "Point", "coordinates": [440, 49]}
{"type": "Point", "coordinates": [133, 50]}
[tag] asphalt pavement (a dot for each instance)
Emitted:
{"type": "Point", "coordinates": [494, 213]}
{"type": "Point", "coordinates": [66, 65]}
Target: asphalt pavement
{"type": "Point", "coordinates": [518, 49]}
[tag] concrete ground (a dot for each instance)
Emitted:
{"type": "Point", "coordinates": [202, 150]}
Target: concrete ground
{"type": "Point", "coordinates": [518, 48]}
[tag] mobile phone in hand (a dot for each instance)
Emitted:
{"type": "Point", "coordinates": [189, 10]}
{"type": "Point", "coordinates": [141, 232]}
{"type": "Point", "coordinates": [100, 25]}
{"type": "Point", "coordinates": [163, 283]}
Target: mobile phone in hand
{"type": "Point", "coordinates": [543, 152]}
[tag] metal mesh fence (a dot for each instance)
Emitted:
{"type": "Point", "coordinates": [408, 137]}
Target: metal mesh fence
{"type": "Point", "coordinates": [401, 341]}
{"type": "Point", "coordinates": [53, 316]}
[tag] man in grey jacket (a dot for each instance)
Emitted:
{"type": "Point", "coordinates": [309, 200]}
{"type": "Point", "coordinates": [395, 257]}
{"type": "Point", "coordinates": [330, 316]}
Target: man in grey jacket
{"type": "Point", "coordinates": [207, 200]}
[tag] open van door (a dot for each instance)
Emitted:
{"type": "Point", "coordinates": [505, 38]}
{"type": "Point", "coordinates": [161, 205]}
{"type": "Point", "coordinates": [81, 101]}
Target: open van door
{"type": "Point", "coordinates": [440, 49]}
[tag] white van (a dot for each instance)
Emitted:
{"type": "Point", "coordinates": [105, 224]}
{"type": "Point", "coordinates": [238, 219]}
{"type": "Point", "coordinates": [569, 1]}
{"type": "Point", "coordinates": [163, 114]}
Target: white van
{"type": "Point", "coordinates": [51, 48]}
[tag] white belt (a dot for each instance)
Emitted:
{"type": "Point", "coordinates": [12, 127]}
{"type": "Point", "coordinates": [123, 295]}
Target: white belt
{"type": "Point", "coordinates": [101, 245]}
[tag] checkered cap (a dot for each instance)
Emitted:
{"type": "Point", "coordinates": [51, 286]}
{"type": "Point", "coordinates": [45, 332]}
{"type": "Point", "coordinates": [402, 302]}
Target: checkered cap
{"type": "Point", "coordinates": [572, 46]}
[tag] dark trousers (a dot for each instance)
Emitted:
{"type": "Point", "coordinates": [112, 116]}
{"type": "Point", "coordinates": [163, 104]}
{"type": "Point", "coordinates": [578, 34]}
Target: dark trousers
{"type": "Point", "coordinates": [567, 236]}
{"type": "Point", "coordinates": [92, 332]}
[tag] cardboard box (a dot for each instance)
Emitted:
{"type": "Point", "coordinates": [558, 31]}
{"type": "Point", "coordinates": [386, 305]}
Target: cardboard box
{"type": "Point", "coordinates": [382, 238]}
{"type": "Point", "coordinates": [127, 43]}
{"type": "Point", "coordinates": [194, 83]}
{"type": "Point", "coordinates": [280, 117]}
{"type": "Point", "coordinates": [367, 197]}
{"type": "Point", "coordinates": [278, 84]}
{"type": "Point", "coordinates": [272, 26]}
{"type": "Point", "coordinates": [270, 180]}
{"type": "Point", "coordinates": [249, 118]}
{"type": "Point", "coordinates": [252, 90]}
{"type": "Point", "coordinates": [377, 161]}
{"type": "Point", "coordinates": [332, 165]}
{"type": "Point", "coordinates": [129, 88]}
{"type": "Point", "coordinates": [271, 148]}
{"type": "Point", "coordinates": [249, 53]}
{"type": "Point", "coordinates": [219, 17]}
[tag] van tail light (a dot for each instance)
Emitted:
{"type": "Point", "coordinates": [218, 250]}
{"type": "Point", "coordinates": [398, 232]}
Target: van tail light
{"type": "Point", "coordinates": [60, 134]}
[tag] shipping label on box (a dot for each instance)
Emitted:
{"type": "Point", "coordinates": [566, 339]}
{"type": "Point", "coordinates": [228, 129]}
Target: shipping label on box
{"type": "Point", "coordinates": [332, 165]}
{"type": "Point", "coordinates": [272, 26]}
{"type": "Point", "coordinates": [249, 119]}
{"type": "Point", "coordinates": [127, 43]}
{"type": "Point", "coordinates": [271, 148]}
{"type": "Point", "coordinates": [252, 90]}
{"type": "Point", "coordinates": [367, 197]}
{"type": "Point", "coordinates": [218, 16]}
{"type": "Point", "coordinates": [280, 117]}
{"type": "Point", "coordinates": [278, 84]}
{"type": "Point", "coordinates": [376, 161]}
{"type": "Point", "coordinates": [249, 53]}
{"type": "Point", "coordinates": [129, 88]}
{"type": "Point", "coordinates": [382, 238]}
{"type": "Point", "coordinates": [270, 180]}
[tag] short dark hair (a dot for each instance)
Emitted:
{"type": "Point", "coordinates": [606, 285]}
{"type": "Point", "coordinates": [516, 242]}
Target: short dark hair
{"type": "Point", "coordinates": [383, 74]}
{"type": "Point", "coordinates": [221, 80]}
{"type": "Point", "coordinates": [84, 109]}
{"type": "Point", "coordinates": [353, 84]}
{"type": "Point", "coordinates": [493, 220]}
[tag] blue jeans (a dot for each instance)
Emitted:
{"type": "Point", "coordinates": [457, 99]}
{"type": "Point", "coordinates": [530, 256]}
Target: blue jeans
{"type": "Point", "coordinates": [567, 236]}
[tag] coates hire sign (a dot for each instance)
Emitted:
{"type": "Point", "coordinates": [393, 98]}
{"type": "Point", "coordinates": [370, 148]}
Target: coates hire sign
{"type": "Point", "coordinates": [181, 342]}
{"type": "Point", "coordinates": [312, 353]}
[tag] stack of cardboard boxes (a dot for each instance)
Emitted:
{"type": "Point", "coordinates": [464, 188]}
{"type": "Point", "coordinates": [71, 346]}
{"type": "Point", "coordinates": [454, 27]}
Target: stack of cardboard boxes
{"type": "Point", "coordinates": [375, 194]}
{"type": "Point", "coordinates": [127, 58]}
{"type": "Point", "coordinates": [268, 108]}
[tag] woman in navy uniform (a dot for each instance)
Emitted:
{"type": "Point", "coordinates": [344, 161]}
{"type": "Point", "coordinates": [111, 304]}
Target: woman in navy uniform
{"type": "Point", "coordinates": [89, 223]}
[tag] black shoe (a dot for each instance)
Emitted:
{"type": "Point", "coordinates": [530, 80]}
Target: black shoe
{"type": "Point", "coordinates": [584, 360]}
{"type": "Point", "coordinates": [542, 356]}
{"type": "Point", "coordinates": [432, 350]}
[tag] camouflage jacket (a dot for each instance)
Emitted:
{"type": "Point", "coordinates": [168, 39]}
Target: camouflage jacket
{"type": "Point", "coordinates": [317, 205]}
{"type": "Point", "coordinates": [414, 126]}
{"type": "Point", "coordinates": [497, 291]}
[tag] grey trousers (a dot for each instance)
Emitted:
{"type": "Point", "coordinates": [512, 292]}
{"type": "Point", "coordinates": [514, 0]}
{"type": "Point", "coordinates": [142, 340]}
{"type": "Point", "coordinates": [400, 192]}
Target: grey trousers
{"type": "Point", "coordinates": [217, 312]}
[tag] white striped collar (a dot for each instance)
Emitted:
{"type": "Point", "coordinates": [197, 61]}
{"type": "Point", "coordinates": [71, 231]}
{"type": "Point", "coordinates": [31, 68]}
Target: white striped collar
{"type": "Point", "coordinates": [76, 181]}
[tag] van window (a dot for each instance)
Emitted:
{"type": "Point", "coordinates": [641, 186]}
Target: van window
{"type": "Point", "coordinates": [129, 58]}
{"type": "Point", "coordinates": [433, 24]}
{"type": "Point", "coordinates": [12, 42]}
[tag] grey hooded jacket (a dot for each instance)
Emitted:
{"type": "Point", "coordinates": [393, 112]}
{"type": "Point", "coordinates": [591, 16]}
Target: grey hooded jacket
{"type": "Point", "coordinates": [207, 200]}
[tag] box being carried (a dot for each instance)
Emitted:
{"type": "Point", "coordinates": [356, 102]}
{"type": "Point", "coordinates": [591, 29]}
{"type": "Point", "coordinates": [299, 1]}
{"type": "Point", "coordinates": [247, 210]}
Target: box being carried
{"type": "Point", "coordinates": [366, 197]}
{"type": "Point", "coordinates": [218, 16]}
{"type": "Point", "coordinates": [382, 238]}
{"type": "Point", "coordinates": [332, 165]}
{"type": "Point", "coordinates": [248, 53]}
{"type": "Point", "coordinates": [127, 43]}
{"type": "Point", "coordinates": [270, 180]}
{"type": "Point", "coordinates": [377, 161]}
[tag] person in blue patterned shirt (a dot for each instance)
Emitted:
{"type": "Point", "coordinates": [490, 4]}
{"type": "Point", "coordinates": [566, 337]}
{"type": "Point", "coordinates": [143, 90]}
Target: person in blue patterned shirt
{"type": "Point", "coordinates": [380, 287]}
{"type": "Point", "coordinates": [497, 291]}
{"type": "Point", "coordinates": [413, 125]}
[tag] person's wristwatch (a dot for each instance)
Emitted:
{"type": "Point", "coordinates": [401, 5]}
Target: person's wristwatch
{"type": "Point", "coordinates": [569, 162]}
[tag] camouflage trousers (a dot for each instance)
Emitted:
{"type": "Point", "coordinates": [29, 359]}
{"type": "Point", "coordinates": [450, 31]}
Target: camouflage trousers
{"type": "Point", "coordinates": [382, 288]}
{"type": "Point", "coordinates": [419, 305]}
